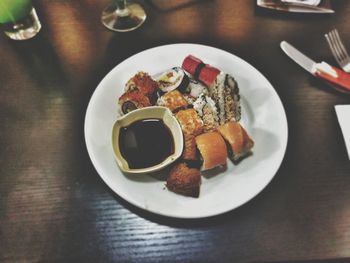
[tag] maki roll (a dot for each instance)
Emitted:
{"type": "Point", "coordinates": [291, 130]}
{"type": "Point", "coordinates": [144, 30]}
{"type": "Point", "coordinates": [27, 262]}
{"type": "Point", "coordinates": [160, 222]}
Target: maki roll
{"type": "Point", "coordinates": [238, 141]}
{"type": "Point", "coordinates": [195, 88]}
{"type": "Point", "coordinates": [207, 111]}
{"type": "Point", "coordinates": [225, 93]}
{"type": "Point", "coordinates": [173, 100]}
{"type": "Point", "coordinates": [190, 151]}
{"type": "Point", "coordinates": [223, 88]}
{"type": "Point", "coordinates": [212, 147]}
{"type": "Point", "coordinates": [130, 101]}
{"type": "Point", "coordinates": [190, 122]}
{"type": "Point", "coordinates": [144, 84]}
{"type": "Point", "coordinates": [175, 78]}
{"type": "Point", "coordinates": [191, 126]}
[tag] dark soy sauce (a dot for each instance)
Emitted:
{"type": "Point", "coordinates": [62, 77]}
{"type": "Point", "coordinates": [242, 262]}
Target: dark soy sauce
{"type": "Point", "coordinates": [146, 143]}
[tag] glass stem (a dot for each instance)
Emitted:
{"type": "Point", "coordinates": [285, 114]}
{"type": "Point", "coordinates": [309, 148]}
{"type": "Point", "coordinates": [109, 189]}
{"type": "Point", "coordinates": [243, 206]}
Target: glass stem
{"type": "Point", "coordinates": [122, 10]}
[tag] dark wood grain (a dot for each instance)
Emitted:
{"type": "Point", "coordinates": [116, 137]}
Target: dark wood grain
{"type": "Point", "coordinates": [55, 208]}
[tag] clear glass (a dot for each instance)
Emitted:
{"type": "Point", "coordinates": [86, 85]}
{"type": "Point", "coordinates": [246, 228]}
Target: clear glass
{"type": "Point", "coordinates": [25, 28]}
{"type": "Point", "coordinates": [18, 19]}
{"type": "Point", "coordinates": [121, 16]}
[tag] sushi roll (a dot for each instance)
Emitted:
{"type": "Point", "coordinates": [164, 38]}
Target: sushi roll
{"type": "Point", "coordinates": [207, 111]}
{"type": "Point", "coordinates": [225, 92]}
{"type": "Point", "coordinates": [190, 151]}
{"type": "Point", "coordinates": [195, 88]}
{"type": "Point", "coordinates": [191, 126]}
{"type": "Point", "coordinates": [175, 78]}
{"type": "Point", "coordinates": [190, 100]}
{"type": "Point", "coordinates": [184, 180]}
{"type": "Point", "coordinates": [238, 140]}
{"type": "Point", "coordinates": [144, 84]}
{"type": "Point", "coordinates": [223, 88]}
{"type": "Point", "coordinates": [212, 148]}
{"type": "Point", "coordinates": [173, 100]}
{"type": "Point", "coordinates": [190, 122]}
{"type": "Point", "coordinates": [133, 100]}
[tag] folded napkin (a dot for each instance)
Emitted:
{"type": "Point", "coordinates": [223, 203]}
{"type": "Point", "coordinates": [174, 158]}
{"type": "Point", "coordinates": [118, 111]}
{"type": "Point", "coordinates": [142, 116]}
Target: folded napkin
{"type": "Point", "coordinates": [304, 2]}
{"type": "Point", "coordinates": [343, 114]}
{"type": "Point", "coordinates": [297, 6]}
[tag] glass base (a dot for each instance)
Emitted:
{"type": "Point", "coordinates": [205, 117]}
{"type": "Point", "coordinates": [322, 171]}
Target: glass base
{"type": "Point", "coordinates": [25, 28]}
{"type": "Point", "coordinates": [123, 21]}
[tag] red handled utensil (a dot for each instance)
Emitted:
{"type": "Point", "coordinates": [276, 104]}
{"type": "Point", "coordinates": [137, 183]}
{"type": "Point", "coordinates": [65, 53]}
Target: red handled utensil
{"type": "Point", "coordinates": [339, 79]}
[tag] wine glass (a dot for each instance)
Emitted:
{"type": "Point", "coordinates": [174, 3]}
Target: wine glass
{"type": "Point", "coordinates": [121, 16]}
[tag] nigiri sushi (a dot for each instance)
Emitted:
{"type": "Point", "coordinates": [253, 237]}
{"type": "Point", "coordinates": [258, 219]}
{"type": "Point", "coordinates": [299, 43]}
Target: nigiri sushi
{"type": "Point", "coordinates": [193, 65]}
{"type": "Point", "coordinates": [200, 71]}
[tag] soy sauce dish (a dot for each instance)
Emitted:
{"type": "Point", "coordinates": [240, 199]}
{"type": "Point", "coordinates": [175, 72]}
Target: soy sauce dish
{"type": "Point", "coordinates": [147, 140]}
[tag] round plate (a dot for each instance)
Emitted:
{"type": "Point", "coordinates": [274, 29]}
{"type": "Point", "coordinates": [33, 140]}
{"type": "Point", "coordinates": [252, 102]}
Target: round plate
{"type": "Point", "coordinates": [263, 116]}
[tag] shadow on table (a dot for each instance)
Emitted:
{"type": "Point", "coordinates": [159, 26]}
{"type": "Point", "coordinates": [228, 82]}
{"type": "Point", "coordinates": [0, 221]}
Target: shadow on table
{"type": "Point", "coordinates": [323, 85]}
{"type": "Point", "coordinates": [41, 60]}
{"type": "Point", "coordinates": [171, 6]}
{"type": "Point", "coordinates": [340, 260]}
{"type": "Point", "coordinates": [237, 214]}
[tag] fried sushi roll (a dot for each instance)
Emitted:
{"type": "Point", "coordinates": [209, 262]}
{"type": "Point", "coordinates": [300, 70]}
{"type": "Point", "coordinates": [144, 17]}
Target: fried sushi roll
{"type": "Point", "coordinates": [190, 122]}
{"type": "Point", "coordinates": [130, 101]}
{"type": "Point", "coordinates": [144, 84]}
{"type": "Point", "coordinates": [213, 149]}
{"type": "Point", "coordinates": [190, 151]}
{"type": "Point", "coordinates": [173, 100]}
{"type": "Point", "coordinates": [184, 180]}
{"type": "Point", "coordinates": [240, 144]}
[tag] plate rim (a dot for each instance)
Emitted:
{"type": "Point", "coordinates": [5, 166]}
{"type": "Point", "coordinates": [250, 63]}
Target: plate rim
{"type": "Point", "coordinates": [161, 213]}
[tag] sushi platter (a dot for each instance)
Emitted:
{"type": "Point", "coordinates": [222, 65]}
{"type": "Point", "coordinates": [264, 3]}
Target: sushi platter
{"type": "Point", "coordinates": [206, 103]}
{"type": "Point", "coordinates": [233, 123]}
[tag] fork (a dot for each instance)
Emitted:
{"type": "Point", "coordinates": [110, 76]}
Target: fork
{"type": "Point", "coordinates": [338, 49]}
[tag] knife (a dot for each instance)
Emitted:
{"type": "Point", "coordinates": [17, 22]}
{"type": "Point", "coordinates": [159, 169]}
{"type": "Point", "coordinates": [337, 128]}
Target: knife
{"type": "Point", "coordinates": [336, 76]}
{"type": "Point", "coordinates": [289, 7]}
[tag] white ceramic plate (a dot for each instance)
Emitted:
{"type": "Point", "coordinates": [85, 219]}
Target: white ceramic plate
{"type": "Point", "coordinates": [263, 116]}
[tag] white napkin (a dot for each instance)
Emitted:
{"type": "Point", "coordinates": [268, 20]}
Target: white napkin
{"type": "Point", "coordinates": [343, 113]}
{"type": "Point", "coordinates": [305, 2]}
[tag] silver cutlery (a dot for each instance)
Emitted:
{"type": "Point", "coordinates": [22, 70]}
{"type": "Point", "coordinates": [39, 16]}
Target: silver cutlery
{"type": "Point", "coordinates": [338, 78]}
{"type": "Point", "coordinates": [338, 50]}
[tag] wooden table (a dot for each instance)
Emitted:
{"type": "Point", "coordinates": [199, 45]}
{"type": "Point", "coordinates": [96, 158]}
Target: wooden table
{"type": "Point", "coordinates": [55, 208]}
